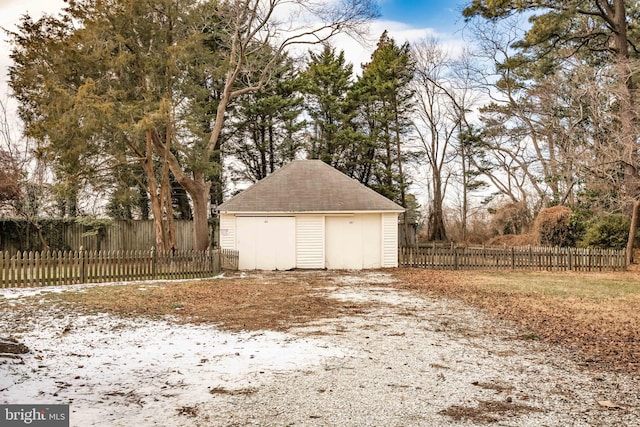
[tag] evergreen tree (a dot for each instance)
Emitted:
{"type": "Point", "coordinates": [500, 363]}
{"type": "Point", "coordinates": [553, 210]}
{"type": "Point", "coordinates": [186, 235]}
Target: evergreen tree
{"type": "Point", "coordinates": [385, 98]}
{"type": "Point", "coordinates": [265, 129]}
{"type": "Point", "coordinates": [100, 86]}
{"type": "Point", "coordinates": [131, 78]}
{"type": "Point", "coordinates": [327, 82]}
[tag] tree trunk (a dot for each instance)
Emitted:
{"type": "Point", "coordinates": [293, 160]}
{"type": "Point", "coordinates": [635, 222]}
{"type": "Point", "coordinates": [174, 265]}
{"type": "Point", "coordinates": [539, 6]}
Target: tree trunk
{"type": "Point", "coordinates": [154, 198]}
{"type": "Point", "coordinates": [465, 193]}
{"type": "Point", "coordinates": [200, 198]}
{"type": "Point", "coordinates": [437, 229]}
{"type": "Point", "coordinates": [170, 230]}
{"type": "Point", "coordinates": [635, 218]}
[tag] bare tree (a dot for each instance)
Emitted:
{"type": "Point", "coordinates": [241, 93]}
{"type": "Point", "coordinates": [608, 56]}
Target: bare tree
{"type": "Point", "coordinates": [23, 188]}
{"type": "Point", "coordinates": [527, 144]}
{"type": "Point", "coordinates": [444, 98]}
{"type": "Point", "coordinates": [600, 33]}
{"type": "Point", "coordinates": [10, 168]}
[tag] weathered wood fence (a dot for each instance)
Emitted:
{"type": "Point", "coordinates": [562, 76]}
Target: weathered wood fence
{"type": "Point", "coordinates": [515, 258]}
{"type": "Point", "coordinates": [69, 235]}
{"type": "Point", "coordinates": [73, 267]}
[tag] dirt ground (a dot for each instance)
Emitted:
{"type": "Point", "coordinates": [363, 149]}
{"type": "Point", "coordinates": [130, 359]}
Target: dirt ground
{"type": "Point", "coordinates": [601, 334]}
{"type": "Point", "coordinates": [391, 347]}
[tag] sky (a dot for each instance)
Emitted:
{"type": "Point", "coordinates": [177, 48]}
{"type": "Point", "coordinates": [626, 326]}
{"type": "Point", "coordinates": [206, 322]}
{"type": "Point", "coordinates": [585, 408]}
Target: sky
{"type": "Point", "coordinates": [441, 15]}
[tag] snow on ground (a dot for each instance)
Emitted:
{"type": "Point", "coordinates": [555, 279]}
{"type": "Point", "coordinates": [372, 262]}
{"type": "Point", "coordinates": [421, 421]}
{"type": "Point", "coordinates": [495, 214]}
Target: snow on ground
{"type": "Point", "coordinates": [122, 372]}
{"type": "Point", "coordinates": [410, 361]}
{"type": "Point", "coordinates": [25, 292]}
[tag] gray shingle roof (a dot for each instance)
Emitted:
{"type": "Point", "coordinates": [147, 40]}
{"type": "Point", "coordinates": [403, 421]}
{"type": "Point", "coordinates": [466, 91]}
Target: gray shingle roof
{"type": "Point", "coordinates": [308, 186]}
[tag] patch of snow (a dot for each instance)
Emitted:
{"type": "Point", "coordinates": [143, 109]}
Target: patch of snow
{"type": "Point", "coordinates": [119, 371]}
{"type": "Point", "coordinates": [406, 362]}
{"type": "Point", "coordinates": [26, 292]}
{"type": "Point", "coordinates": [374, 294]}
{"type": "Point", "coordinates": [365, 277]}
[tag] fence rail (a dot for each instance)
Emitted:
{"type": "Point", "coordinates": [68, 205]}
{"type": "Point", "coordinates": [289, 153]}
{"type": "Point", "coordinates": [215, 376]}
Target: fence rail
{"type": "Point", "coordinates": [515, 258]}
{"type": "Point", "coordinates": [73, 267]}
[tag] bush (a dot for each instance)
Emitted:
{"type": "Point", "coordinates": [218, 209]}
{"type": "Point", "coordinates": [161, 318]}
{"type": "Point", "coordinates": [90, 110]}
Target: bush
{"type": "Point", "coordinates": [554, 227]}
{"type": "Point", "coordinates": [511, 218]}
{"type": "Point", "coordinates": [607, 232]}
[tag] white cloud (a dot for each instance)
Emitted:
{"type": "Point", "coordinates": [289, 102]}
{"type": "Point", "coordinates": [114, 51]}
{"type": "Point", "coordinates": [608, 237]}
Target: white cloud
{"type": "Point", "coordinates": [359, 53]}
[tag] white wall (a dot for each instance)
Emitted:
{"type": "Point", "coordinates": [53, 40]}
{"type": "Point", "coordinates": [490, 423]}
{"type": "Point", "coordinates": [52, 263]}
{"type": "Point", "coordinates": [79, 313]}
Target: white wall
{"type": "Point", "coordinates": [228, 231]}
{"type": "Point", "coordinates": [353, 241]}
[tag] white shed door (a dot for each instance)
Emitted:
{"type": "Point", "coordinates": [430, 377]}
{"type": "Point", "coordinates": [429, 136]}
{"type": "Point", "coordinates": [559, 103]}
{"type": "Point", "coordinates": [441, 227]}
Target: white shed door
{"type": "Point", "coordinates": [266, 243]}
{"type": "Point", "coordinates": [343, 236]}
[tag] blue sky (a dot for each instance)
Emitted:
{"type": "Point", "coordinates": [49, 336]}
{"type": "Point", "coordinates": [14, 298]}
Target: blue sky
{"type": "Point", "coordinates": [443, 15]}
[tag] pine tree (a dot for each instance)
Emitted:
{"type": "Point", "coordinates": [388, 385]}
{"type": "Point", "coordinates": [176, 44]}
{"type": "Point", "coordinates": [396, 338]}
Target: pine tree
{"type": "Point", "coordinates": [265, 132]}
{"type": "Point", "coordinates": [384, 96]}
{"type": "Point", "coordinates": [327, 82]}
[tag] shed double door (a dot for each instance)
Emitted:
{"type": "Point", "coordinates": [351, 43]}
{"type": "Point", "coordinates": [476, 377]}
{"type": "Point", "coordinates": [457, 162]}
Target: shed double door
{"type": "Point", "coordinates": [266, 243]}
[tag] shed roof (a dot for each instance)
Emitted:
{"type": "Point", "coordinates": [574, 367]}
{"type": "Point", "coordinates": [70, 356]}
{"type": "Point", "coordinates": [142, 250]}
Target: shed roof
{"type": "Point", "coordinates": [308, 186]}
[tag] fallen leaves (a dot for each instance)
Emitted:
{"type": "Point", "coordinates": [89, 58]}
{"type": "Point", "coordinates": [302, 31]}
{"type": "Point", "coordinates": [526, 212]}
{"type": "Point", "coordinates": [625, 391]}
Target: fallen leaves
{"type": "Point", "coordinates": [269, 300]}
{"type": "Point", "coordinates": [602, 326]}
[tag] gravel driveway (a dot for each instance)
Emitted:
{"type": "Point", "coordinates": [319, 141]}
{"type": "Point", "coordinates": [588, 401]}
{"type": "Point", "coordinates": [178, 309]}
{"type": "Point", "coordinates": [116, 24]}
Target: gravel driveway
{"type": "Point", "coordinates": [405, 361]}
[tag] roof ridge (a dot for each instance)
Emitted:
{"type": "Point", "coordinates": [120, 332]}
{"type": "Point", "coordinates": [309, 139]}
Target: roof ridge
{"type": "Point", "coordinates": [308, 185]}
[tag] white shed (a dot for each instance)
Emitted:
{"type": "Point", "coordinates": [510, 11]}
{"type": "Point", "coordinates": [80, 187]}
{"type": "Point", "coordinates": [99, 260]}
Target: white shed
{"type": "Point", "coordinates": [310, 215]}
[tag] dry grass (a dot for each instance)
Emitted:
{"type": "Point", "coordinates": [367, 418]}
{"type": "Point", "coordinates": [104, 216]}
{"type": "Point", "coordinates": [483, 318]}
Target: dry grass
{"type": "Point", "coordinates": [487, 412]}
{"type": "Point", "coordinates": [270, 301]}
{"type": "Point", "coordinates": [595, 314]}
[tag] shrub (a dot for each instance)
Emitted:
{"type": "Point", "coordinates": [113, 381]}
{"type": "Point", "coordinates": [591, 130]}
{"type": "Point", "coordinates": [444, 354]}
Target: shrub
{"type": "Point", "coordinates": [554, 227]}
{"type": "Point", "coordinates": [511, 218]}
{"type": "Point", "coordinates": [607, 232]}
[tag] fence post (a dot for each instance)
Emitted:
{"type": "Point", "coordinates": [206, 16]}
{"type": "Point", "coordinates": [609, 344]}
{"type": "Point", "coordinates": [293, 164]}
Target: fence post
{"type": "Point", "coordinates": [154, 263]}
{"type": "Point", "coordinates": [569, 259]}
{"type": "Point", "coordinates": [83, 278]}
{"type": "Point", "coordinates": [513, 258]}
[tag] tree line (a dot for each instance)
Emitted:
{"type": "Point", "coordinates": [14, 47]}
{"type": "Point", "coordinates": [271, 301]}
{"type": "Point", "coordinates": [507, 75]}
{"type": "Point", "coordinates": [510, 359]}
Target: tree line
{"type": "Point", "coordinates": [158, 104]}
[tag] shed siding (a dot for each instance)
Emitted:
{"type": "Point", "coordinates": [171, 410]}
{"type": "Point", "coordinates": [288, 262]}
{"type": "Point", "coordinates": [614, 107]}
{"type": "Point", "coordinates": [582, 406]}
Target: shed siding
{"type": "Point", "coordinates": [228, 232]}
{"type": "Point", "coordinates": [389, 240]}
{"type": "Point", "coordinates": [310, 242]}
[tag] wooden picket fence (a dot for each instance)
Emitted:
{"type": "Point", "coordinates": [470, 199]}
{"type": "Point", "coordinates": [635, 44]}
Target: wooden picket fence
{"type": "Point", "coordinates": [74, 267]}
{"type": "Point", "coordinates": [514, 258]}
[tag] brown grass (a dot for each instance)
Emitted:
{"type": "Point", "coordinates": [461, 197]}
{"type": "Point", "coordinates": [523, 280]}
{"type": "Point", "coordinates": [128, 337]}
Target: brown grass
{"type": "Point", "coordinates": [513, 240]}
{"type": "Point", "coordinates": [271, 301]}
{"type": "Point", "coordinates": [487, 412]}
{"type": "Point", "coordinates": [597, 315]}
